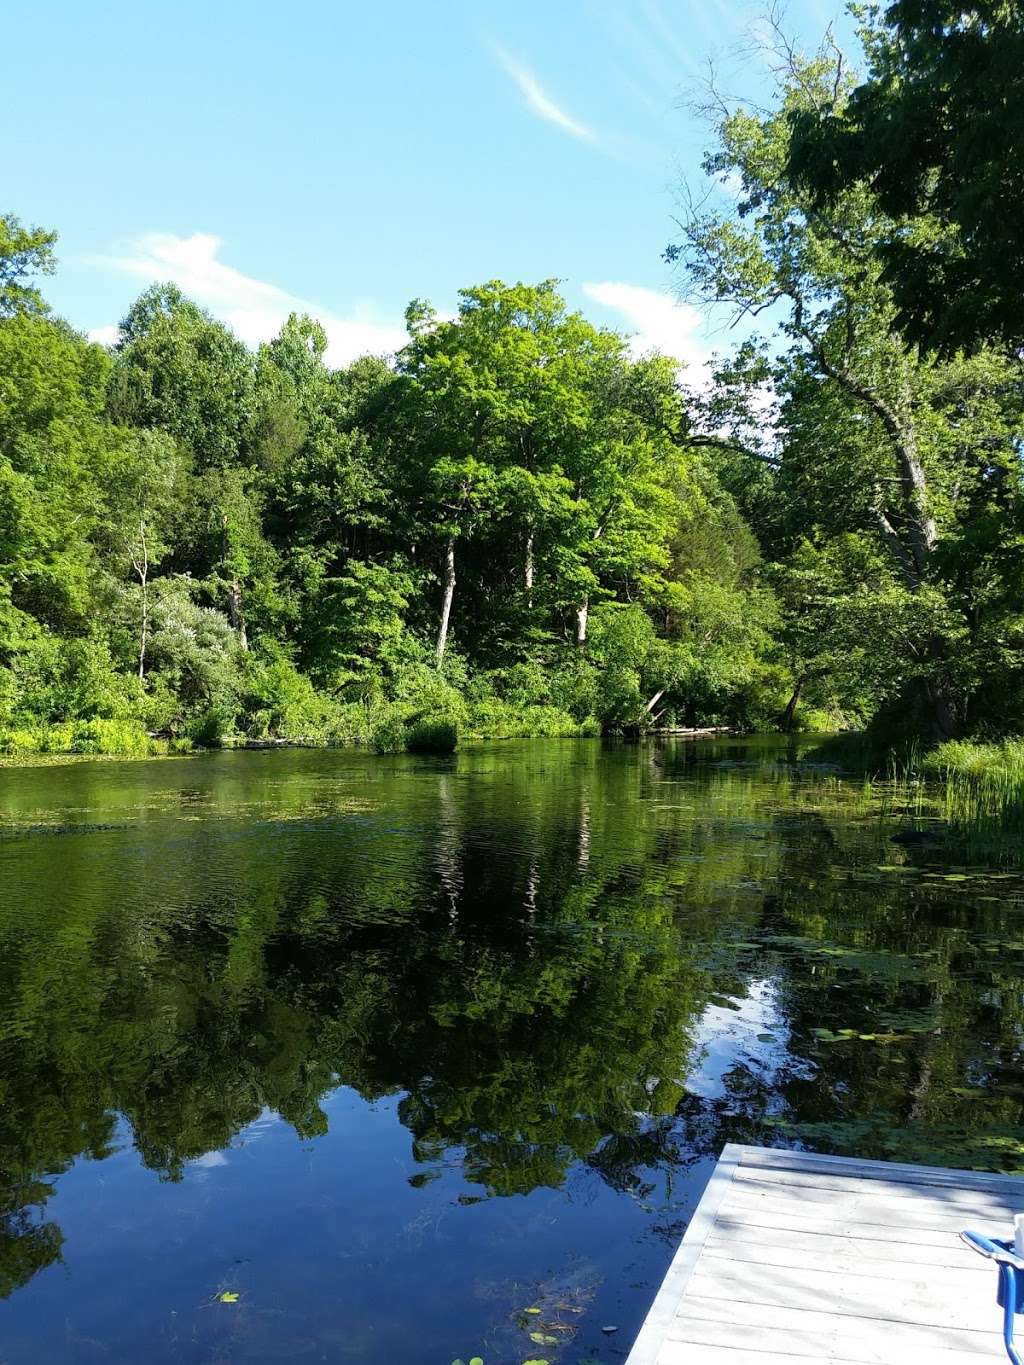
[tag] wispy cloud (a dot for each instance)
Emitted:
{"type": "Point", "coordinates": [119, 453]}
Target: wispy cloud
{"type": "Point", "coordinates": [658, 323]}
{"type": "Point", "coordinates": [253, 309]}
{"type": "Point", "coordinates": [541, 103]}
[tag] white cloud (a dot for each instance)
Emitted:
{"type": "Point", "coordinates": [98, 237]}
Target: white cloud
{"type": "Point", "coordinates": [252, 308]}
{"type": "Point", "coordinates": [541, 103]}
{"type": "Point", "coordinates": [658, 323]}
{"type": "Point", "coordinates": [105, 336]}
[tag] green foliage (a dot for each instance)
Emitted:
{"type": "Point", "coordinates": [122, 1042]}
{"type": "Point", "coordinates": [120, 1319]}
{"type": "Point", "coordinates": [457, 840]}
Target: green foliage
{"type": "Point", "coordinates": [936, 130]}
{"type": "Point", "coordinates": [983, 788]}
{"type": "Point", "coordinates": [520, 528]}
{"type": "Point", "coordinates": [179, 370]}
{"type": "Point", "coordinates": [432, 736]}
{"type": "Point", "coordinates": [885, 484]}
{"type": "Point", "coordinates": [122, 737]}
{"type": "Point", "coordinates": [389, 733]}
{"type": "Point", "coordinates": [23, 252]}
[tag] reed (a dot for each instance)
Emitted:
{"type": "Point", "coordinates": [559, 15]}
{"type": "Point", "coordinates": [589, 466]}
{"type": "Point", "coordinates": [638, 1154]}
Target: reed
{"type": "Point", "coordinates": [982, 787]}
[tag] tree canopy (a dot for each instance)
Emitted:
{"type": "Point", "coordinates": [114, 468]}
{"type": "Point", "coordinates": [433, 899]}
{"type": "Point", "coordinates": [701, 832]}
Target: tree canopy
{"type": "Point", "coordinates": [936, 131]}
{"type": "Point", "coordinates": [517, 524]}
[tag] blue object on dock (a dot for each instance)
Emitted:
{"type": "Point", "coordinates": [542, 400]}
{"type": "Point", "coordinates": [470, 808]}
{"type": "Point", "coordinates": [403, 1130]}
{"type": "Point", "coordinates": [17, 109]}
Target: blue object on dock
{"type": "Point", "coordinates": [1010, 1294]}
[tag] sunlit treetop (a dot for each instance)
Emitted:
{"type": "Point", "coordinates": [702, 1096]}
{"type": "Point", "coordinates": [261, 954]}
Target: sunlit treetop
{"type": "Point", "coordinates": [937, 130]}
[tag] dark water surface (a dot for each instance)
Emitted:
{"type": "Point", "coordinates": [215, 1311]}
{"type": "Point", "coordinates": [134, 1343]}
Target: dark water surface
{"type": "Point", "coordinates": [397, 1049]}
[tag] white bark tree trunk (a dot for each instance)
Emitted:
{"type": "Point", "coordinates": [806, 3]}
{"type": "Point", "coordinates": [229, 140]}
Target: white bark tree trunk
{"type": "Point", "coordinates": [449, 594]}
{"type": "Point", "coordinates": [237, 615]}
{"type": "Point", "coordinates": [582, 612]}
{"type": "Point", "coordinates": [140, 563]}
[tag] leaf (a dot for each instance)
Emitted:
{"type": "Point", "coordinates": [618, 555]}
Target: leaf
{"type": "Point", "coordinates": [531, 1310]}
{"type": "Point", "coordinates": [227, 1297]}
{"type": "Point", "coordinates": [476, 1360]}
{"type": "Point", "coordinates": [536, 1362]}
{"type": "Point", "coordinates": [543, 1339]}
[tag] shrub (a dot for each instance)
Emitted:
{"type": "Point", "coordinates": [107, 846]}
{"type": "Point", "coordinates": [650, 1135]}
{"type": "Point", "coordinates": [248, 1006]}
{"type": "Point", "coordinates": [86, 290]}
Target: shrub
{"type": "Point", "coordinates": [432, 736]}
{"type": "Point", "coordinates": [210, 728]}
{"type": "Point", "coordinates": [16, 740]}
{"type": "Point", "coordinates": [108, 737]}
{"type": "Point", "coordinates": [389, 733]}
{"type": "Point", "coordinates": [493, 718]}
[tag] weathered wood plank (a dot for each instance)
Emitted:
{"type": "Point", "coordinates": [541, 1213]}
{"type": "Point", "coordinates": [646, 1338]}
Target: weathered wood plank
{"type": "Point", "coordinates": [746, 1320]}
{"type": "Point", "coordinates": [854, 1256]}
{"type": "Point", "coordinates": [888, 1170]}
{"type": "Point", "coordinates": [684, 1353]}
{"type": "Point", "coordinates": [903, 1240]}
{"type": "Point", "coordinates": [878, 1346]}
{"type": "Point", "coordinates": [877, 1187]}
{"type": "Point", "coordinates": [922, 1213]}
{"type": "Point", "coordinates": [865, 1296]}
{"type": "Point", "coordinates": [793, 1258]}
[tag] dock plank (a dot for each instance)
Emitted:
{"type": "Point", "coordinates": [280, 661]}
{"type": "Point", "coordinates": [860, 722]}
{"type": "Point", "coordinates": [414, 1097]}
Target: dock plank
{"type": "Point", "coordinates": [793, 1258]}
{"type": "Point", "coordinates": [827, 1344]}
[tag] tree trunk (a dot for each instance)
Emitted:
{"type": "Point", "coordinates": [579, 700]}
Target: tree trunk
{"type": "Point", "coordinates": [528, 570]}
{"type": "Point", "coordinates": [140, 562]}
{"type": "Point", "coordinates": [791, 705]}
{"type": "Point", "coordinates": [144, 634]}
{"type": "Point", "coordinates": [654, 700]}
{"type": "Point", "coordinates": [946, 709]}
{"type": "Point", "coordinates": [236, 614]}
{"type": "Point", "coordinates": [582, 612]}
{"type": "Point", "coordinates": [449, 593]}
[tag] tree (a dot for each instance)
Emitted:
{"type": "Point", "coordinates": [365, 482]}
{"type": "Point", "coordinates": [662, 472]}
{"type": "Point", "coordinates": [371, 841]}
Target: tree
{"type": "Point", "coordinates": [23, 252]}
{"type": "Point", "coordinates": [145, 485]}
{"type": "Point", "coordinates": [873, 439]}
{"type": "Point", "coordinates": [53, 438]}
{"type": "Point", "coordinates": [537, 451]}
{"type": "Point", "coordinates": [178, 369]}
{"type": "Point", "coordinates": [937, 132]}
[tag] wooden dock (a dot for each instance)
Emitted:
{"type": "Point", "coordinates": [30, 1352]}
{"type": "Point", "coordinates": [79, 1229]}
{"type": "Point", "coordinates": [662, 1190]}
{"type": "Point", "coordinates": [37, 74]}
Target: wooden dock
{"type": "Point", "coordinates": [791, 1259]}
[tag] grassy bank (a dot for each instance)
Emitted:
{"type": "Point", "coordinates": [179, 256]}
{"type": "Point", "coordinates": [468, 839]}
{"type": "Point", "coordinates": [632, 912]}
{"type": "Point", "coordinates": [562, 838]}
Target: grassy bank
{"type": "Point", "coordinates": [982, 787]}
{"type": "Point", "coordinates": [975, 788]}
{"type": "Point", "coordinates": [386, 727]}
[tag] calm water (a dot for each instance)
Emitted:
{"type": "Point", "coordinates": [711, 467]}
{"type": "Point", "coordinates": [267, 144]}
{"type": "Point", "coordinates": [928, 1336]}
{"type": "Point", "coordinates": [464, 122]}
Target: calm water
{"type": "Point", "coordinates": [397, 1049]}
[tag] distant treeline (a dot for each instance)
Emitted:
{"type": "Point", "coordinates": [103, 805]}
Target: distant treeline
{"type": "Point", "coordinates": [516, 526]}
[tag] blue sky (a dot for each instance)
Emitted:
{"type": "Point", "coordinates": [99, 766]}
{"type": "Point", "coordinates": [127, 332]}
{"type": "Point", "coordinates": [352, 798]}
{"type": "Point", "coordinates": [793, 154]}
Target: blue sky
{"type": "Point", "coordinates": [345, 157]}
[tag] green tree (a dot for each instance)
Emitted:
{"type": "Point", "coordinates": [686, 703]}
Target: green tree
{"type": "Point", "coordinates": [23, 252]}
{"type": "Point", "coordinates": [937, 131]}
{"type": "Point", "coordinates": [178, 369]}
{"type": "Point", "coordinates": [911, 454]}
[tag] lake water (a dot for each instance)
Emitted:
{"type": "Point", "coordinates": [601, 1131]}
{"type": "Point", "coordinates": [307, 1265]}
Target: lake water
{"type": "Point", "coordinates": [320, 1056]}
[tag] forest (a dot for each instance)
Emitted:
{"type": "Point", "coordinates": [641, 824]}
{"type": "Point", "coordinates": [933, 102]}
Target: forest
{"type": "Point", "coordinates": [518, 526]}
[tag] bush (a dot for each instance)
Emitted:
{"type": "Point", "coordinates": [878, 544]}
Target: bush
{"type": "Point", "coordinates": [15, 740]}
{"type": "Point", "coordinates": [210, 728]}
{"type": "Point", "coordinates": [493, 718]}
{"type": "Point", "coordinates": [109, 737]}
{"type": "Point", "coordinates": [280, 702]}
{"type": "Point", "coordinates": [389, 733]}
{"type": "Point", "coordinates": [432, 736]}
{"type": "Point", "coordinates": [124, 737]}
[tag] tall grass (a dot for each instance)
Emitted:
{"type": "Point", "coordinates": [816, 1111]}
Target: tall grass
{"type": "Point", "coordinates": [976, 790]}
{"type": "Point", "coordinates": [982, 787]}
